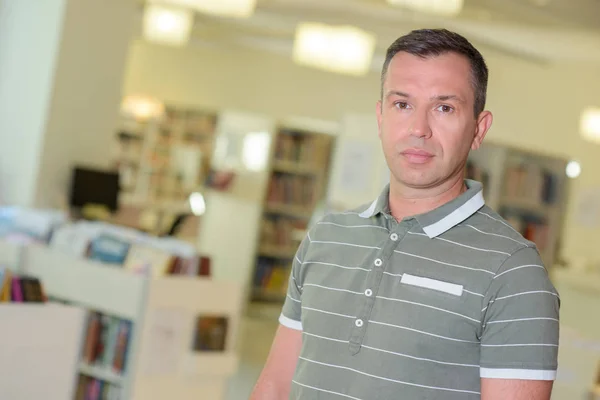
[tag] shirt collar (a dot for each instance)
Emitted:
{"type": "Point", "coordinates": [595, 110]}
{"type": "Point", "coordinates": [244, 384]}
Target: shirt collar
{"type": "Point", "coordinates": [441, 219]}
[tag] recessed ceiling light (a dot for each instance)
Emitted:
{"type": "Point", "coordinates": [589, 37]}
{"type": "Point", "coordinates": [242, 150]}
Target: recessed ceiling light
{"type": "Point", "coordinates": [573, 169]}
{"type": "Point", "coordinates": [589, 125]}
{"type": "Point", "coordinates": [167, 25]}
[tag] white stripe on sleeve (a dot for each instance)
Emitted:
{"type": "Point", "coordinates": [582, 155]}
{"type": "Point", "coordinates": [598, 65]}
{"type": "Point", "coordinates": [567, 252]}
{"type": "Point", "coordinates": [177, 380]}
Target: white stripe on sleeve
{"type": "Point", "coordinates": [529, 374]}
{"type": "Point", "coordinates": [290, 323]}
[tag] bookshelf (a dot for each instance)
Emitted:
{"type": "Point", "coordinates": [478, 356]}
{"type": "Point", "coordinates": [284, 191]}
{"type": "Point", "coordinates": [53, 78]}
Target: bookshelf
{"type": "Point", "coordinates": [298, 174]}
{"type": "Point", "coordinates": [140, 336]}
{"type": "Point", "coordinates": [528, 189]}
{"type": "Point", "coordinates": [165, 158]}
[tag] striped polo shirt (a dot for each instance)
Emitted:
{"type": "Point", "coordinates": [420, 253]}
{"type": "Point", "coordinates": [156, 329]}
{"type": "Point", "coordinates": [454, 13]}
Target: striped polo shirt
{"type": "Point", "coordinates": [421, 308]}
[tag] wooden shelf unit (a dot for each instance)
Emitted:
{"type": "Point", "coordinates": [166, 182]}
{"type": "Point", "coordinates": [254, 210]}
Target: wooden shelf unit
{"type": "Point", "coordinates": [528, 189]}
{"type": "Point", "coordinates": [165, 158]}
{"type": "Point", "coordinates": [298, 175]}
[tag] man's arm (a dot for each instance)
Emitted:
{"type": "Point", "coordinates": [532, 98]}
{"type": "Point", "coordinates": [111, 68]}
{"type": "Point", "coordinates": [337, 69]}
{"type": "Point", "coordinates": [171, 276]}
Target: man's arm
{"type": "Point", "coordinates": [515, 389]}
{"type": "Point", "coordinates": [520, 331]}
{"type": "Point", "coordinates": [275, 380]}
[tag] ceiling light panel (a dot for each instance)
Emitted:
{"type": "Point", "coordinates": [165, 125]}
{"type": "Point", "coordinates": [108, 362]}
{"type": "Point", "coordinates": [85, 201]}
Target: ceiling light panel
{"type": "Point", "coordinates": [342, 49]}
{"type": "Point", "coordinates": [167, 25]}
{"type": "Point", "coordinates": [589, 125]}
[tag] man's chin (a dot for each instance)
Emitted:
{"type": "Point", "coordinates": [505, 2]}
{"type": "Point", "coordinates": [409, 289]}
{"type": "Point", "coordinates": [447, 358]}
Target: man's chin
{"type": "Point", "coordinates": [417, 182]}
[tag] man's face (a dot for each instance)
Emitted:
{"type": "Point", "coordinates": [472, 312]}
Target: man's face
{"type": "Point", "coordinates": [426, 120]}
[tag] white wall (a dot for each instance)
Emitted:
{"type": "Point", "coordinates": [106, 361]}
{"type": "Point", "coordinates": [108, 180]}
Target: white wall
{"type": "Point", "coordinates": [61, 69]}
{"type": "Point", "coordinates": [26, 82]}
{"type": "Point", "coordinates": [87, 92]}
{"type": "Point", "coordinates": [535, 106]}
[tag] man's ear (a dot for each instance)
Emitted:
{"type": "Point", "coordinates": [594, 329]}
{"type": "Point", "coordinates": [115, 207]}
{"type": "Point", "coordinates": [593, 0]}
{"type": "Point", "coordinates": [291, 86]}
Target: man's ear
{"type": "Point", "coordinates": [484, 122]}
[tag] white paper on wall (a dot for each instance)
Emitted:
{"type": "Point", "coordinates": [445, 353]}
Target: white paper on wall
{"type": "Point", "coordinates": [357, 170]}
{"type": "Point", "coordinates": [166, 328]}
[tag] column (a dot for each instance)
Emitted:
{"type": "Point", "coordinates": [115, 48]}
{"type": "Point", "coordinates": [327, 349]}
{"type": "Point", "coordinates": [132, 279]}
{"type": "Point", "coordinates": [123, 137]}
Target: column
{"type": "Point", "coordinates": [61, 73]}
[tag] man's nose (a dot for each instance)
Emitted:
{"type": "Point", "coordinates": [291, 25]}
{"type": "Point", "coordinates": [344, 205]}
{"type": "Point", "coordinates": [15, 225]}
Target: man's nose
{"type": "Point", "coordinates": [419, 125]}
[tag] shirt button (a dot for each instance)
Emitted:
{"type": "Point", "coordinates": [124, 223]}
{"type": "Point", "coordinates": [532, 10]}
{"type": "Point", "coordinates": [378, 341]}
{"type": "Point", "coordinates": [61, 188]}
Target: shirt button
{"type": "Point", "coordinates": [394, 236]}
{"type": "Point", "coordinates": [358, 322]}
{"type": "Point", "coordinates": [378, 262]}
{"type": "Point", "coordinates": [368, 293]}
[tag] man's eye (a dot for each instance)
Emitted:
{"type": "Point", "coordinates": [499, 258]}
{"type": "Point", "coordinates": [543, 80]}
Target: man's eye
{"type": "Point", "coordinates": [445, 108]}
{"type": "Point", "coordinates": [401, 105]}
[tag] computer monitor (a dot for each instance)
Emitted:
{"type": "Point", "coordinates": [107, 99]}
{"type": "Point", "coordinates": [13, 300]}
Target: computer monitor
{"type": "Point", "coordinates": [94, 186]}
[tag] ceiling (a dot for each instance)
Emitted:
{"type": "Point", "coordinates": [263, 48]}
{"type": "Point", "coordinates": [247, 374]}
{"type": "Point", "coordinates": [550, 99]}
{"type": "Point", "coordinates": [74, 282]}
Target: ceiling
{"type": "Point", "coordinates": [538, 31]}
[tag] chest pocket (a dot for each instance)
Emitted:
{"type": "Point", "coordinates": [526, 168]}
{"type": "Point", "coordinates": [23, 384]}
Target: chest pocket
{"type": "Point", "coordinates": [433, 284]}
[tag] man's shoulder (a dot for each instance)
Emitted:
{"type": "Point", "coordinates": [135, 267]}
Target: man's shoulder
{"type": "Point", "coordinates": [349, 216]}
{"type": "Point", "coordinates": [488, 222]}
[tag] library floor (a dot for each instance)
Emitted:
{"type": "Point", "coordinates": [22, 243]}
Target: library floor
{"type": "Point", "coordinates": [257, 329]}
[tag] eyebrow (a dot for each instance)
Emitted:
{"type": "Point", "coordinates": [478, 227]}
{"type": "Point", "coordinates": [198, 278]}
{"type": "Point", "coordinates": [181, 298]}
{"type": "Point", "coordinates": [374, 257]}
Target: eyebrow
{"type": "Point", "coordinates": [445, 97]}
{"type": "Point", "coordinates": [442, 97]}
{"type": "Point", "coordinates": [397, 93]}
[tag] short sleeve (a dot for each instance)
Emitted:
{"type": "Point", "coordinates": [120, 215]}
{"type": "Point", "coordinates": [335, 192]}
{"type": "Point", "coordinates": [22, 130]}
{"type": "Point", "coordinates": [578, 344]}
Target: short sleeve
{"type": "Point", "coordinates": [520, 329]}
{"type": "Point", "coordinates": [291, 314]}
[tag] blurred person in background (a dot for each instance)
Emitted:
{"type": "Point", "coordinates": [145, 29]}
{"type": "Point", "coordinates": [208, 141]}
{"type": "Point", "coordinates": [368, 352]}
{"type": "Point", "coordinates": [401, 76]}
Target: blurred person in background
{"type": "Point", "coordinates": [425, 293]}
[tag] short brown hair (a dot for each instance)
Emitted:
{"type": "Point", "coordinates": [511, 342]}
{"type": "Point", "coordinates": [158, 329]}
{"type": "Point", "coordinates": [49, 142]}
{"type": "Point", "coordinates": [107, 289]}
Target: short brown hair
{"type": "Point", "coordinates": [434, 42]}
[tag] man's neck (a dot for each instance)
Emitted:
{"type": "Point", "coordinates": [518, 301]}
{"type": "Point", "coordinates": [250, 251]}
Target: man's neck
{"type": "Point", "coordinates": [405, 202]}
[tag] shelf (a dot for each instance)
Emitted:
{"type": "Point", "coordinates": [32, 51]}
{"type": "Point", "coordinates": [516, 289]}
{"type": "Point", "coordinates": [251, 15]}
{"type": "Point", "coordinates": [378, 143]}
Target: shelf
{"type": "Point", "coordinates": [102, 373]}
{"type": "Point", "coordinates": [293, 167]}
{"type": "Point", "coordinates": [276, 251]}
{"type": "Point", "coordinates": [263, 294]}
{"type": "Point", "coordinates": [528, 205]}
{"type": "Point", "coordinates": [85, 282]}
{"type": "Point", "coordinates": [291, 210]}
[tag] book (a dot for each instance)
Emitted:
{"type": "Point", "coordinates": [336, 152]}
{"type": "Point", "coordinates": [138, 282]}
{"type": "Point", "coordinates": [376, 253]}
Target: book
{"type": "Point", "coordinates": [109, 249]}
{"type": "Point", "coordinates": [211, 333]}
{"type": "Point", "coordinates": [106, 342]}
{"type": "Point", "coordinates": [149, 261]}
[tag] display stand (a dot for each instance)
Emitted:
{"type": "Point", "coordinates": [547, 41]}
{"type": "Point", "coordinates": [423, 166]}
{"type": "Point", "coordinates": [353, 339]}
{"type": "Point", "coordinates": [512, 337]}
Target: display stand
{"type": "Point", "coordinates": [39, 350]}
{"type": "Point", "coordinates": [162, 358]}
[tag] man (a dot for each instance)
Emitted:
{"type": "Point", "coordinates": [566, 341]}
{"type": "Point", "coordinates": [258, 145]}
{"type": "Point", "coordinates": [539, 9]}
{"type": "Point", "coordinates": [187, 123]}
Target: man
{"type": "Point", "coordinates": [425, 293]}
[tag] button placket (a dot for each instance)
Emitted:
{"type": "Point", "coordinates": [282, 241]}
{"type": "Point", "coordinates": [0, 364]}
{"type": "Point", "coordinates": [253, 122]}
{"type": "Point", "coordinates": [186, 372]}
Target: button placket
{"type": "Point", "coordinates": [373, 283]}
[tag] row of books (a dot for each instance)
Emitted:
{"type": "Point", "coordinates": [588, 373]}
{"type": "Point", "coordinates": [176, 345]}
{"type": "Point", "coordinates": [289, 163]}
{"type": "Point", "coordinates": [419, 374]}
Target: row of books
{"type": "Point", "coordinates": [291, 190]}
{"type": "Point", "coordinates": [20, 289]}
{"type": "Point", "coordinates": [106, 342]}
{"type": "Point", "coordinates": [280, 231]}
{"type": "Point", "coordinates": [272, 275]}
{"type": "Point", "coordinates": [531, 182]}
{"type": "Point", "coordinates": [532, 229]}
{"type": "Point", "coordinates": [296, 147]}
{"type": "Point", "coordinates": [475, 172]}
{"type": "Point", "coordinates": [196, 122]}
{"type": "Point", "coordinates": [130, 249]}
{"type": "Point", "coordinates": [94, 389]}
